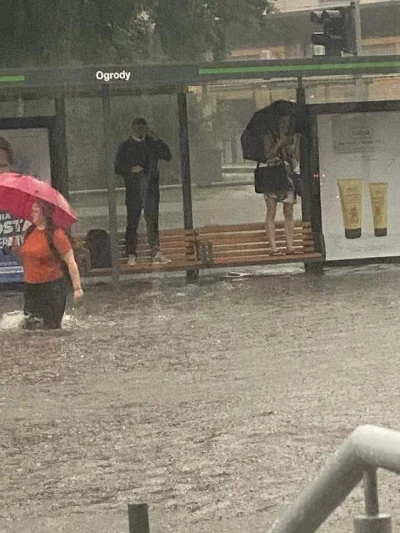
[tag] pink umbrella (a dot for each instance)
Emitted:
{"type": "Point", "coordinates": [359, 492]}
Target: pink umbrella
{"type": "Point", "coordinates": [18, 193]}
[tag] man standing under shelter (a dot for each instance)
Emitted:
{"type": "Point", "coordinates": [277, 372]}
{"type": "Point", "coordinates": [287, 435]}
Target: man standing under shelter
{"type": "Point", "coordinates": [136, 162]}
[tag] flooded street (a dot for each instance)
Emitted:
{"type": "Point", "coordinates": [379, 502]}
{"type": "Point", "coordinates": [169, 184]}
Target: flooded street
{"type": "Point", "coordinates": [215, 403]}
{"type": "Point", "coordinates": [164, 135]}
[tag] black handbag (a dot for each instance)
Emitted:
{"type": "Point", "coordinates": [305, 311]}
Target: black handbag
{"type": "Point", "coordinates": [298, 184]}
{"type": "Point", "coordinates": [271, 179]}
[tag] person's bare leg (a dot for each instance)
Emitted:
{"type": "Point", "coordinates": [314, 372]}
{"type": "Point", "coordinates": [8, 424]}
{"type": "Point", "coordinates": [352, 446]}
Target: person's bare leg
{"type": "Point", "coordinates": [289, 226]}
{"type": "Point", "coordinates": [270, 222]}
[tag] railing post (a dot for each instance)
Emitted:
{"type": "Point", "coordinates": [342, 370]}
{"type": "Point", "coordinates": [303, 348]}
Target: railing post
{"type": "Point", "coordinates": [370, 481]}
{"type": "Point", "coordinates": [372, 522]}
{"type": "Point", "coordinates": [138, 515]}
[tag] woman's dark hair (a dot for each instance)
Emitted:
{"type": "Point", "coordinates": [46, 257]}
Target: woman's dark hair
{"type": "Point", "coordinates": [6, 146]}
{"type": "Point", "coordinates": [278, 110]}
{"type": "Point", "coordinates": [48, 215]}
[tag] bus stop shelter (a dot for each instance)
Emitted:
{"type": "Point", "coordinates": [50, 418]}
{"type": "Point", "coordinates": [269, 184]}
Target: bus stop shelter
{"type": "Point", "coordinates": [109, 80]}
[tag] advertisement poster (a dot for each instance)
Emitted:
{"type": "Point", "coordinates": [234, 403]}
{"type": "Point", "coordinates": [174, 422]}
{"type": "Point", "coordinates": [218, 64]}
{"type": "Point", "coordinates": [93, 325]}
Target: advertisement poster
{"type": "Point", "coordinates": [360, 184]}
{"type": "Point", "coordinates": [31, 156]}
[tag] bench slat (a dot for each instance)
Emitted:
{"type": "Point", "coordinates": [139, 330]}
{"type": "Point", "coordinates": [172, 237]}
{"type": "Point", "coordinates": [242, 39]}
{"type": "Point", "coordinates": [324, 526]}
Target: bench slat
{"type": "Point", "coordinates": [257, 226]}
{"type": "Point", "coordinates": [215, 237]}
{"type": "Point", "coordinates": [259, 260]}
{"type": "Point", "coordinates": [256, 254]}
{"type": "Point", "coordinates": [227, 241]}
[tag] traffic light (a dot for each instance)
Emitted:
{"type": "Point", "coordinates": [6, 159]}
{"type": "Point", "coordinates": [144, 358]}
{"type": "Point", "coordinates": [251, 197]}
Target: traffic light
{"type": "Point", "coordinates": [339, 33]}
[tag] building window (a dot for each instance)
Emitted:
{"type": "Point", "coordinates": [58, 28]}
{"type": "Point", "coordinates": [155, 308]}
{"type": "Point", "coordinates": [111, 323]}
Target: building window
{"type": "Point", "coordinates": [380, 49]}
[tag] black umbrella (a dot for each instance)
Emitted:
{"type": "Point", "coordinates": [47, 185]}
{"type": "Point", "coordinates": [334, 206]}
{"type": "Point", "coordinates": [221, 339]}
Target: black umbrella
{"type": "Point", "coordinates": [266, 121]}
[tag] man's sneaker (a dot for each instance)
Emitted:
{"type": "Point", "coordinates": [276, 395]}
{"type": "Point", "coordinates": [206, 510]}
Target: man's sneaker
{"type": "Point", "coordinates": [161, 259]}
{"type": "Point", "coordinates": [132, 260]}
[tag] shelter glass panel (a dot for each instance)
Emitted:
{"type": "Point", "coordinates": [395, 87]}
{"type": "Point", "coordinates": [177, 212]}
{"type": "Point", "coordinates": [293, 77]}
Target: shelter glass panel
{"type": "Point", "coordinates": [87, 157]}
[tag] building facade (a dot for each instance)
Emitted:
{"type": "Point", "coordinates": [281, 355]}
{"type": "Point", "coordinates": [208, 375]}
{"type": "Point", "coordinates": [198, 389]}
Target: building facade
{"type": "Point", "coordinates": [297, 5]}
{"type": "Point", "coordinates": [288, 36]}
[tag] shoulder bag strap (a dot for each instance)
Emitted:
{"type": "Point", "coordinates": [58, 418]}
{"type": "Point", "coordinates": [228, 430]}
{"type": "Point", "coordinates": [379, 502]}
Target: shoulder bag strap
{"type": "Point", "coordinates": [52, 246]}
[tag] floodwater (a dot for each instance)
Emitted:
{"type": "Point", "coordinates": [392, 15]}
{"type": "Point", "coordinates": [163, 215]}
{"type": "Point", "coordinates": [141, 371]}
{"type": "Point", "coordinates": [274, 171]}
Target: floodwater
{"type": "Point", "coordinates": [215, 403]}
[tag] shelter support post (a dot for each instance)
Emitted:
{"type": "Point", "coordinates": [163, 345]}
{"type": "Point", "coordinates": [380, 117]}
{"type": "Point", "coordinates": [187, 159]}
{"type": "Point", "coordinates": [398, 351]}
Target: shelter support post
{"type": "Point", "coordinates": [305, 172]}
{"type": "Point", "coordinates": [111, 189]}
{"type": "Point", "coordinates": [191, 275]}
{"type": "Point", "coordinates": [304, 162]}
{"type": "Point", "coordinates": [61, 163]}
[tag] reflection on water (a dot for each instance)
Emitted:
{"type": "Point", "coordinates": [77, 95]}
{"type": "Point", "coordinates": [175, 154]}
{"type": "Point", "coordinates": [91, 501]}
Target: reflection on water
{"type": "Point", "coordinates": [13, 321]}
{"type": "Point", "coordinates": [171, 392]}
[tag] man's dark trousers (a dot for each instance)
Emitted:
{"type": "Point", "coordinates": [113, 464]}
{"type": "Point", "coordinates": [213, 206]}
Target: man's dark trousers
{"type": "Point", "coordinates": [142, 194]}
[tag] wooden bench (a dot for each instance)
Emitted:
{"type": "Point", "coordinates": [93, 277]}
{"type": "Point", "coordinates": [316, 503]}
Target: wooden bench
{"type": "Point", "coordinates": [214, 246]}
{"type": "Point", "coordinates": [247, 244]}
{"type": "Point", "coordinates": [177, 244]}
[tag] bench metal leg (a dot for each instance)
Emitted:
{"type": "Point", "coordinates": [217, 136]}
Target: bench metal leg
{"type": "Point", "coordinates": [316, 268]}
{"type": "Point", "coordinates": [205, 251]}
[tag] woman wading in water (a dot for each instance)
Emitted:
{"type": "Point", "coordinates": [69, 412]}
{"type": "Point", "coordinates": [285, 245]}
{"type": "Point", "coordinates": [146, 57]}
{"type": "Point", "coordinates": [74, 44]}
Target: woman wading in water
{"type": "Point", "coordinates": [44, 250]}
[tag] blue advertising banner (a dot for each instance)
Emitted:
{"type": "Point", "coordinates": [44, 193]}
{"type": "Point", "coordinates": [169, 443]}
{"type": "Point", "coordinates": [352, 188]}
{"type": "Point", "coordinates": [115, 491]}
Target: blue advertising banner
{"type": "Point", "coordinates": [31, 156]}
{"type": "Point", "coordinates": [10, 266]}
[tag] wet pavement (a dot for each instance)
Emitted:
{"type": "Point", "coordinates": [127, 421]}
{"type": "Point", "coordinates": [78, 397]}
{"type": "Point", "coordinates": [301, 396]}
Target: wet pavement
{"type": "Point", "coordinates": [215, 403]}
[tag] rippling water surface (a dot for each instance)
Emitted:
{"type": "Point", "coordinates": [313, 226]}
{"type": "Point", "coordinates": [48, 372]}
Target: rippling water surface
{"type": "Point", "coordinates": [215, 403]}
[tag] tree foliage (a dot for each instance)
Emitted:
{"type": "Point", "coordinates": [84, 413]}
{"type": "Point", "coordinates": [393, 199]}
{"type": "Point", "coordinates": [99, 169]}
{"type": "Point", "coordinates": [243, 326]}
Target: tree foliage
{"type": "Point", "coordinates": [65, 32]}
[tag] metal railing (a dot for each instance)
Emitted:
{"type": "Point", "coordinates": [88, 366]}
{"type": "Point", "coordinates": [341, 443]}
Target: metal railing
{"type": "Point", "coordinates": [174, 186]}
{"type": "Point", "coordinates": [358, 458]}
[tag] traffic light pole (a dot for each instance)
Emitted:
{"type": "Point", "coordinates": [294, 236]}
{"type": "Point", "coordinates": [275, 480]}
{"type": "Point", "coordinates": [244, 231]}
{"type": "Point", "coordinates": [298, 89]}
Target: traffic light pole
{"type": "Point", "coordinates": [358, 27]}
{"type": "Point", "coordinates": [342, 33]}
{"type": "Point", "coordinates": [362, 93]}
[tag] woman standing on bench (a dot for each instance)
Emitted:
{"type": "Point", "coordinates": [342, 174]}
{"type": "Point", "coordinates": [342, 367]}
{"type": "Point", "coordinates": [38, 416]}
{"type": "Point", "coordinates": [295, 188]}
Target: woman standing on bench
{"type": "Point", "coordinates": [280, 146]}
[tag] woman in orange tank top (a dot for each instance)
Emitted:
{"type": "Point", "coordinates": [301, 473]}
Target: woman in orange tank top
{"type": "Point", "coordinates": [45, 285]}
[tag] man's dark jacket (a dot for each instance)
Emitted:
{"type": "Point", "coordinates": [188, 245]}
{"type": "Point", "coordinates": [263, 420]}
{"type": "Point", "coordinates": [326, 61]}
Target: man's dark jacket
{"type": "Point", "coordinates": [146, 154]}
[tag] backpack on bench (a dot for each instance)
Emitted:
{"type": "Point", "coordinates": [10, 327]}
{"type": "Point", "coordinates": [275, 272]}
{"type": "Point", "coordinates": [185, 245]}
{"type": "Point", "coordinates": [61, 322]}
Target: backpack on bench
{"type": "Point", "coordinates": [98, 243]}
